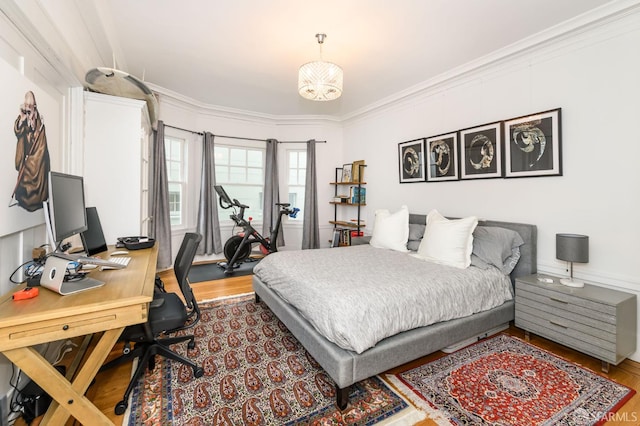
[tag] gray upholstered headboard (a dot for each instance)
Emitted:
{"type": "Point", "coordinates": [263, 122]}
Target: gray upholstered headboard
{"type": "Point", "coordinates": [527, 264]}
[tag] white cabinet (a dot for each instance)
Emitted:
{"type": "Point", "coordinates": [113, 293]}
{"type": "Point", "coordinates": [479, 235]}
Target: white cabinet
{"type": "Point", "coordinates": [116, 147]}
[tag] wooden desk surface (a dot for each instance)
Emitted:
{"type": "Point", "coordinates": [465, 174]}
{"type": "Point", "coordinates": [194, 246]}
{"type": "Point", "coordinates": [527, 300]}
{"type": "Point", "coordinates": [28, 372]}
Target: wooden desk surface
{"type": "Point", "coordinates": [50, 316]}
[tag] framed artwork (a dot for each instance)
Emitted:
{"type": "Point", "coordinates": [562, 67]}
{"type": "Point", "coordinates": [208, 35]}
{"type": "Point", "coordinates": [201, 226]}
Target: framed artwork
{"type": "Point", "coordinates": [30, 126]}
{"type": "Point", "coordinates": [533, 145]}
{"type": "Point", "coordinates": [357, 172]}
{"type": "Point", "coordinates": [481, 152]}
{"type": "Point", "coordinates": [442, 157]}
{"type": "Point", "coordinates": [411, 161]}
{"type": "Point", "coordinates": [346, 173]}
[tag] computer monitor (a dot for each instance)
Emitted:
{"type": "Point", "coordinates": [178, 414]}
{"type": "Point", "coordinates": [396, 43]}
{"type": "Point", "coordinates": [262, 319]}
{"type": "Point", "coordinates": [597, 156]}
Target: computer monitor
{"type": "Point", "coordinates": [93, 238]}
{"type": "Point", "coordinates": [65, 207]}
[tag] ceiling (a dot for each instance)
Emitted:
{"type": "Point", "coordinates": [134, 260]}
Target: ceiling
{"type": "Point", "coordinates": [245, 54]}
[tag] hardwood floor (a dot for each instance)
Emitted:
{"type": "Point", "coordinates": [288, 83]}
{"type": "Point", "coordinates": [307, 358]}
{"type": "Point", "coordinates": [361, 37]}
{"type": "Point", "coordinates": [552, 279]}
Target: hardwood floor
{"type": "Point", "coordinates": [110, 385]}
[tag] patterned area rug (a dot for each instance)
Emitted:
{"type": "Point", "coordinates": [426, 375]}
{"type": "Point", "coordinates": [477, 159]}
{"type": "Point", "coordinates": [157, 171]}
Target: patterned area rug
{"type": "Point", "coordinates": [505, 381]}
{"type": "Point", "coordinates": [256, 373]}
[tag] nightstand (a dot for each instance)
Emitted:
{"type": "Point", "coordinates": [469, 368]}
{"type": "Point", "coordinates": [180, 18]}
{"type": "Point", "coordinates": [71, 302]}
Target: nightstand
{"type": "Point", "coordinates": [595, 320]}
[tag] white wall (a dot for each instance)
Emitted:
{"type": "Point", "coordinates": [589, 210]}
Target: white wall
{"type": "Point", "coordinates": [593, 77]}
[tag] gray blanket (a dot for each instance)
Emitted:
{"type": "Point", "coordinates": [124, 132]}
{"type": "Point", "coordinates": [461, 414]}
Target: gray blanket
{"type": "Point", "coordinates": [357, 296]}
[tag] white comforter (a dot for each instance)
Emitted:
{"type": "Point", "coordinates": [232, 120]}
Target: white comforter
{"type": "Point", "coordinates": [359, 295]}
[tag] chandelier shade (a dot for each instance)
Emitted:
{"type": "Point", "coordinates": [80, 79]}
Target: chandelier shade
{"type": "Point", "coordinates": [320, 80]}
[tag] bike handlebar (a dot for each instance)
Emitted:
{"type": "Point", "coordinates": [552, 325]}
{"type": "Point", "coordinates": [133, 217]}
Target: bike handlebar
{"type": "Point", "coordinates": [294, 212]}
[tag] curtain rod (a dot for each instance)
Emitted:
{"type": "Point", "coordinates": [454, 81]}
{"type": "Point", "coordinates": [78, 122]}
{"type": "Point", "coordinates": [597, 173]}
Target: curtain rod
{"type": "Point", "coordinates": [237, 137]}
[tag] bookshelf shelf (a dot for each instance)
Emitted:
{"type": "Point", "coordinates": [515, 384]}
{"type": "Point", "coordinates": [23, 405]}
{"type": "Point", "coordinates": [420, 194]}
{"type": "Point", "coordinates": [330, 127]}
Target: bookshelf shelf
{"type": "Point", "coordinates": [343, 224]}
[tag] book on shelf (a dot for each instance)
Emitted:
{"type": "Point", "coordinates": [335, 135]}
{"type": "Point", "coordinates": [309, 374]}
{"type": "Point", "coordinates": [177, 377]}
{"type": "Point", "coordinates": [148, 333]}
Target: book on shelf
{"type": "Point", "coordinates": [358, 195]}
{"type": "Point", "coordinates": [341, 237]}
{"type": "Point", "coordinates": [345, 239]}
{"type": "Point", "coordinates": [335, 241]}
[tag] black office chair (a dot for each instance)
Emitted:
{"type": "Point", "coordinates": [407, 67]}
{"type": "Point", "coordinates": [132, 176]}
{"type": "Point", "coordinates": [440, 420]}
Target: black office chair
{"type": "Point", "coordinates": [167, 315]}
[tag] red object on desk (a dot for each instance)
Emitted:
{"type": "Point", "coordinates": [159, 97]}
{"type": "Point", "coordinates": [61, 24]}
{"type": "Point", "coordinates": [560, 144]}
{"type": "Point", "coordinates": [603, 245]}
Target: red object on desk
{"type": "Point", "coordinates": [27, 293]}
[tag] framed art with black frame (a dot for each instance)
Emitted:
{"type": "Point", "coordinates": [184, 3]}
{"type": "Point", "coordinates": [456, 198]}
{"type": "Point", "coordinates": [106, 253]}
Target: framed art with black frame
{"type": "Point", "coordinates": [481, 151]}
{"type": "Point", "coordinates": [533, 145]}
{"type": "Point", "coordinates": [411, 161]}
{"type": "Point", "coordinates": [442, 157]}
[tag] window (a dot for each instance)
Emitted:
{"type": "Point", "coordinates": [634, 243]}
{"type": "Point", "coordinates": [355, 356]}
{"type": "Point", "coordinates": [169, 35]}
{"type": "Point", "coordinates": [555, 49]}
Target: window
{"type": "Point", "coordinates": [297, 173]}
{"type": "Point", "coordinates": [240, 170]}
{"type": "Point", "coordinates": [176, 158]}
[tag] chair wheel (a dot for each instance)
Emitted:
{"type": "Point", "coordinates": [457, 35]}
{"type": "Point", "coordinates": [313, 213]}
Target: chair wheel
{"type": "Point", "coordinates": [191, 344]}
{"type": "Point", "coordinates": [198, 372]}
{"type": "Point", "coordinates": [121, 407]}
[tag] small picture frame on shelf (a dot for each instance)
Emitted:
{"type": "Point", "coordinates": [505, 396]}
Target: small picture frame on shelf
{"type": "Point", "coordinates": [357, 171]}
{"type": "Point", "coordinates": [481, 151]}
{"type": "Point", "coordinates": [533, 145]}
{"type": "Point", "coordinates": [346, 173]}
{"type": "Point", "coordinates": [411, 161]}
{"type": "Point", "coordinates": [442, 157]}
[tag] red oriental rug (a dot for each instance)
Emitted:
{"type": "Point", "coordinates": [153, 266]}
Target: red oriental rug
{"type": "Point", "coordinates": [256, 373]}
{"type": "Point", "coordinates": [505, 381]}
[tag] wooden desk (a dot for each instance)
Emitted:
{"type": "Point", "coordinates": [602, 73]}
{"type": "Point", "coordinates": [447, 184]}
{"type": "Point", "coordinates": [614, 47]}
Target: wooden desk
{"type": "Point", "coordinates": [122, 301]}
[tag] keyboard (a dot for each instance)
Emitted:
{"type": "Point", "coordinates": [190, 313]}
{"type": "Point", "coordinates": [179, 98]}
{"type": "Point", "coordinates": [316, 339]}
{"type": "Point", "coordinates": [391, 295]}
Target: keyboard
{"type": "Point", "coordinates": [123, 261]}
{"type": "Point", "coordinates": [114, 262]}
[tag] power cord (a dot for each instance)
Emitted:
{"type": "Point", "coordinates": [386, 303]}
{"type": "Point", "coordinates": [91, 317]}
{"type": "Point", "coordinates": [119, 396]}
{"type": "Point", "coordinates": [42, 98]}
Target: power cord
{"type": "Point", "coordinates": [68, 347]}
{"type": "Point", "coordinates": [31, 267]}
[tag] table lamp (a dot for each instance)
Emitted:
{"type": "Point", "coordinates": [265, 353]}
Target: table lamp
{"type": "Point", "coordinates": [572, 248]}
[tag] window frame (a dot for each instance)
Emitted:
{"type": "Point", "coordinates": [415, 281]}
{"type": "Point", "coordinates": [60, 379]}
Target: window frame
{"type": "Point", "coordinates": [224, 219]}
{"type": "Point", "coordinates": [288, 185]}
{"type": "Point", "coordinates": [183, 182]}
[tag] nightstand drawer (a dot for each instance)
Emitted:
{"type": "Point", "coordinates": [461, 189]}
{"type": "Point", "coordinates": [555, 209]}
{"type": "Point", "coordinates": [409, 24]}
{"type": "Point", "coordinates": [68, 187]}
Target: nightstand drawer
{"type": "Point", "coordinates": [590, 336]}
{"type": "Point", "coordinates": [557, 334]}
{"type": "Point", "coordinates": [575, 304]}
{"type": "Point", "coordinates": [606, 323]}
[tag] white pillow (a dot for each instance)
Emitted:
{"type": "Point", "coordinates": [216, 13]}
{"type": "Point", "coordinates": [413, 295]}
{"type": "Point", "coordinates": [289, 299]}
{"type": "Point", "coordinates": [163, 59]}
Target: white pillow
{"type": "Point", "coordinates": [391, 230]}
{"type": "Point", "coordinates": [448, 242]}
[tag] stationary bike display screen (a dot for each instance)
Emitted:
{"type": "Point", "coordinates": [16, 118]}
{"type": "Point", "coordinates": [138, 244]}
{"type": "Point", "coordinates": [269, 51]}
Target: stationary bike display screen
{"type": "Point", "coordinates": [224, 197]}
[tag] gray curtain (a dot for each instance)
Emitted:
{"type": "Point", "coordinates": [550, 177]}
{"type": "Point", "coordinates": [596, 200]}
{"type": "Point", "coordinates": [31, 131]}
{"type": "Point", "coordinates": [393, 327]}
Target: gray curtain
{"type": "Point", "coordinates": [161, 222]}
{"type": "Point", "coordinates": [271, 192]}
{"type": "Point", "coordinates": [208, 224]}
{"type": "Point", "coordinates": [311, 227]}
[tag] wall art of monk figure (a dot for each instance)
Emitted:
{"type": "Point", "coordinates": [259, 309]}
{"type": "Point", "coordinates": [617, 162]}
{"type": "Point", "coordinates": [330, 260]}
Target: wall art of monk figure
{"type": "Point", "coordinates": [32, 157]}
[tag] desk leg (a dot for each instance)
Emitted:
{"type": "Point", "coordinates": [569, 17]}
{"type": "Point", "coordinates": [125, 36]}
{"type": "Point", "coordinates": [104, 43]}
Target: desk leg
{"type": "Point", "coordinates": [68, 397]}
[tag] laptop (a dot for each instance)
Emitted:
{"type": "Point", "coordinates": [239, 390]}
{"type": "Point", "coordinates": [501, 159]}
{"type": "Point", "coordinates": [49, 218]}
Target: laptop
{"type": "Point", "coordinates": [93, 238]}
{"type": "Point", "coordinates": [53, 274]}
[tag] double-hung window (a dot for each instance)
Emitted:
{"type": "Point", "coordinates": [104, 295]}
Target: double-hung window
{"type": "Point", "coordinates": [296, 172]}
{"type": "Point", "coordinates": [176, 161]}
{"type": "Point", "coordinates": [240, 170]}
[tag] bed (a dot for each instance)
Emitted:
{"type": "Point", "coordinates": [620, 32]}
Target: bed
{"type": "Point", "coordinates": [348, 365]}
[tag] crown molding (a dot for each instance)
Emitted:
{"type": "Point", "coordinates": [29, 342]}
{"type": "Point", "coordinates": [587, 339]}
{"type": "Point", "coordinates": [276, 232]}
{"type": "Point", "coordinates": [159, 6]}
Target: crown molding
{"type": "Point", "coordinates": [593, 19]}
{"type": "Point", "coordinates": [185, 102]}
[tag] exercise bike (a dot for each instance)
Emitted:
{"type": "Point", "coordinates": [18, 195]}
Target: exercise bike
{"type": "Point", "coordinates": [238, 248]}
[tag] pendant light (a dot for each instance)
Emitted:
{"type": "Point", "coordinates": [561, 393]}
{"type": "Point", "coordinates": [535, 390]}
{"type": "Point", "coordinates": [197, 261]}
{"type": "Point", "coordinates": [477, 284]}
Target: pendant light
{"type": "Point", "coordinates": [320, 80]}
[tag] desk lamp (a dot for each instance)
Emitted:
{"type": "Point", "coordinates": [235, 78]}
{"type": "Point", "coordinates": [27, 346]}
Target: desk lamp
{"type": "Point", "coordinates": [572, 248]}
